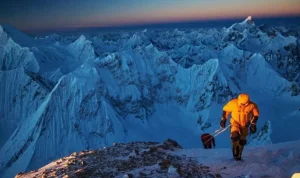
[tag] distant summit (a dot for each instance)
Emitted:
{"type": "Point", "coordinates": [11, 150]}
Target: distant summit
{"type": "Point", "coordinates": [246, 24]}
{"type": "Point", "coordinates": [248, 21]}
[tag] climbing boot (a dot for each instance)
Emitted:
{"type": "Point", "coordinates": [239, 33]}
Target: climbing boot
{"type": "Point", "coordinates": [241, 148]}
{"type": "Point", "coordinates": [236, 152]}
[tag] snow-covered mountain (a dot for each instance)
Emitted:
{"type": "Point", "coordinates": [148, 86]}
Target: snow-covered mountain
{"type": "Point", "coordinates": [89, 91]}
{"type": "Point", "coordinates": [168, 159]}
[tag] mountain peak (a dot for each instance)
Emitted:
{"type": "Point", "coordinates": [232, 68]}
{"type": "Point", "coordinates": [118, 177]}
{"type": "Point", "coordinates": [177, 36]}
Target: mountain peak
{"type": "Point", "coordinates": [80, 42]}
{"type": "Point", "coordinates": [249, 18]}
{"type": "Point", "coordinates": [246, 24]}
{"type": "Point", "coordinates": [16, 35]}
{"type": "Point", "coordinates": [248, 21]}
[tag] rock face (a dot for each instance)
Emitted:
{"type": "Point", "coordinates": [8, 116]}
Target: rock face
{"type": "Point", "coordinates": [136, 159]}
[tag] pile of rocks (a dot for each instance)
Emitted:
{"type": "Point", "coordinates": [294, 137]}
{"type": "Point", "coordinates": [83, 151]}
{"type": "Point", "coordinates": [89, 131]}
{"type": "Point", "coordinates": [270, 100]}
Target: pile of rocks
{"type": "Point", "coordinates": [135, 159]}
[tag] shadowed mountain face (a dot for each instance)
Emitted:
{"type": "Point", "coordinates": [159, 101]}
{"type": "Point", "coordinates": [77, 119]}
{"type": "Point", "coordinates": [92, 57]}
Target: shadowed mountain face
{"type": "Point", "coordinates": [61, 94]}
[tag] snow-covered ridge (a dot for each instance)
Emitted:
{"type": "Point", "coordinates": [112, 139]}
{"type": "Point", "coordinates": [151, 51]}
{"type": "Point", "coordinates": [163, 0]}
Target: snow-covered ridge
{"type": "Point", "coordinates": [241, 27]}
{"type": "Point", "coordinates": [168, 159]}
{"type": "Point", "coordinates": [24, 139]}
{"type": "Point", "coordinates": [248, 20]}
{"type": "Point", "coordinates": [13, 56]}
{"type": "Point", "coordinates": [13, 95]}
{"type": "Point", "coordinates": [17, 36]}
{"type": "Point", "coordinates": [82, 49]}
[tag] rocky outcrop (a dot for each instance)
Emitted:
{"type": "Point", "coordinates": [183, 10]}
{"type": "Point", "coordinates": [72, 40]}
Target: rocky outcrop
{"type": "Point", "coordinates": [135, 159]}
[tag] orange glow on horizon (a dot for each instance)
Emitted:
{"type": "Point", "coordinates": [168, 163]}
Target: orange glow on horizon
{"type": "Point", "coordinates": [90, 13]}
{"type": "Point", "coordinates": [195, 13]}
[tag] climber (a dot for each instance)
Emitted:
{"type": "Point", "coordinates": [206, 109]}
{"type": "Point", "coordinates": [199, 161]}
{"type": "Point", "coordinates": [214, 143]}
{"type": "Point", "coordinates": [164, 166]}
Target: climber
{"type": "Point", "coordinates": [208, 141]}
{"type": "Point", "coordinates": [243, 113]}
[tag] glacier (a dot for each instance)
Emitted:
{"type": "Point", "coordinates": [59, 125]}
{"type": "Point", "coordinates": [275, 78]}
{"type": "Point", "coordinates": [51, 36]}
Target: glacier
{"type": "Point", "coordinates": [72, 92]}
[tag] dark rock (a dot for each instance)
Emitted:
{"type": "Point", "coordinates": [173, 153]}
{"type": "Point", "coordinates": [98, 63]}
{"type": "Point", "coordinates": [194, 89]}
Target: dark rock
{"type": "Point", "coordinates": [19, 174]}
{"type": "Point", "coordinates": [141, 174]}
{"type": "Point", "coordinates": [172, 143]}
{"type": "Point", "coordinates": [164, 164]}
{"type": "Point", "coordinates": [153, 149]}
{"type": "Point", "coordinates": [179, 171]}
{"type": "Point", "coordinates": [130, 175]}
{"type": "Point", "coordinates": [218, 176]}
{"type": "Point", "coordinates": [136, 152]}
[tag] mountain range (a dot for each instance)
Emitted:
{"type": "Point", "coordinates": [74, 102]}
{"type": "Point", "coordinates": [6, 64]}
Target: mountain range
{"type": "Point", "coordinates": [67, 93]}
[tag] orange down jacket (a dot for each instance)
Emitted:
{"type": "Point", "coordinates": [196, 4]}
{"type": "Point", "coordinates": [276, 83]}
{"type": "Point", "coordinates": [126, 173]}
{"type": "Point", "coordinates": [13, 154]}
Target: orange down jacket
{"type": "Point", "coordinates": [241, 115]}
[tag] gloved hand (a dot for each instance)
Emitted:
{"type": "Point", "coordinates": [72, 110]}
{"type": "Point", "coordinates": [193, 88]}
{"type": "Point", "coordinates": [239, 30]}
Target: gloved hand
{"type": "Point", "coordinates": [223, 123]}
{"type": "Point", "coordinates": [252, 128]}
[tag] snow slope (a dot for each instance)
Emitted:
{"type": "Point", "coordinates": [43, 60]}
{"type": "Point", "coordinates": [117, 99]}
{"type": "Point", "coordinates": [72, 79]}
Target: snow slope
{"type": "Point", "coordinates": [278, 160]}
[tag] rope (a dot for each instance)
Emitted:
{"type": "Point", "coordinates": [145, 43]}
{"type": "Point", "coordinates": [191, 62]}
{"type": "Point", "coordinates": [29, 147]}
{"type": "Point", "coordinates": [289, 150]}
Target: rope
{"type": "Point", "coordinates": [217, 132]}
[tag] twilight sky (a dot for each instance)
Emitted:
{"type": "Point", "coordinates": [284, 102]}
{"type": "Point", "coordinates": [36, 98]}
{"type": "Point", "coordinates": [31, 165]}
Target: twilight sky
{"type": "Point", "coordinates": [52, 14]}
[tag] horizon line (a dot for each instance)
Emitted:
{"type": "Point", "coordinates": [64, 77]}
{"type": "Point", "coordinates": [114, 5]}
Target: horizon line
{"type": "Point", "coordinates": [180, 21]}
{"type": "Point", "coordinates": [149, 24]}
